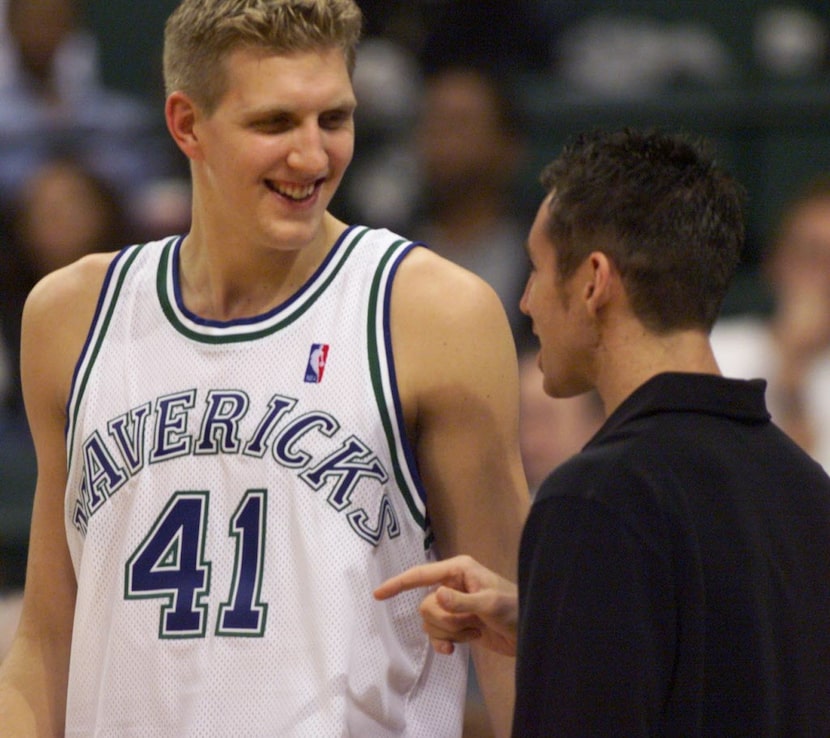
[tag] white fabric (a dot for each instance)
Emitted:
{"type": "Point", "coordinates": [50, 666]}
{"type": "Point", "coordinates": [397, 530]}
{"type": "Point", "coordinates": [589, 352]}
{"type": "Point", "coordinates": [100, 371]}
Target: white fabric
{"type": "Point", "coordinates": [743, 348]}
{"type": "Point", "coordinates": [228, 519]}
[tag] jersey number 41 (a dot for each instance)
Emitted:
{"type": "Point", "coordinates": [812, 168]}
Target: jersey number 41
{"type": "Point", "coordinates": [170, 565]}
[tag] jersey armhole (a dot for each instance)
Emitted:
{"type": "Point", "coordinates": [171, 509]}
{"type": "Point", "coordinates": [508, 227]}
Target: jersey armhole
{"type": "Point", "coordinates": [384, 383]}
{"type": "Point", "coordinates": [113, 282]}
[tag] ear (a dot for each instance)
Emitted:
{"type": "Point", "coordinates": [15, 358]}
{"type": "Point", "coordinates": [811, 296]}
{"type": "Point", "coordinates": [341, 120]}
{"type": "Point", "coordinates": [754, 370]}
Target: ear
{"type": "Point", "coordinates": [601, 284]}
{"type": "Point", "coordinates": [181, 114]}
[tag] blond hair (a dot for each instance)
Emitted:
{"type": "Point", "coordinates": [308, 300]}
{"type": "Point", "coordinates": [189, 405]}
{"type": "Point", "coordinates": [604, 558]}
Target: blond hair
{"type": "Point", "coordinates": [200, 34]}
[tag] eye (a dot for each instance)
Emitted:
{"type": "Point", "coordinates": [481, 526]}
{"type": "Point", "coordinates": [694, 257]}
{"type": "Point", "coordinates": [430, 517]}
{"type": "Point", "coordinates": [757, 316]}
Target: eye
{"type": "Point", "coordinates": [334, 119]}
{"type": "Point", "coordinates": [273, 124]}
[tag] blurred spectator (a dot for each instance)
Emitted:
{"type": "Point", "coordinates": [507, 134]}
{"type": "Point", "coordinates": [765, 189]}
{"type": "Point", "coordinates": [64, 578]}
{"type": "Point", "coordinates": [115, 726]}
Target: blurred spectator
{"type": "Point", "coordinates": [470, 147]}
{"type": "Point", "coordinates": [515, 36]}
{"type": "Point", "coordinates": [619, 55]}
{"type": "Point", "coordinates": [62, 212]}
{"type": "Point", "coordinates": [791, 348]}
{"type": "Point", "coordinates": [447, 175]}
{"type": "Point", "coordinates": [51, 101]}
{"type": "Point", "coordinates": [551, 429]}
{"type": "Point", "coordinates": [791, 42]}
{"type": "Point", "coordinates": [381, 184]}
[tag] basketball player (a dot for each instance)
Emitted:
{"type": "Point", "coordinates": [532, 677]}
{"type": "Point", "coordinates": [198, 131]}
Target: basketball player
{"type": "Point", "coordinates": [243, 431]}
{"type": "Point", "coordinates": [674, 576]}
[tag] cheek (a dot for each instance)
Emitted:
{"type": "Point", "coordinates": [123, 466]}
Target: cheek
{"type": "Point", "coordinates": [340, 148]}
{"type": "Point", "coordinates": [544, 307]}
{"type": "Point", "coordinates": [531, 298]}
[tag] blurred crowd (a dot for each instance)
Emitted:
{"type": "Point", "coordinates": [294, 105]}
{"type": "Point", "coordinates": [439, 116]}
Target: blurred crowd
{"type": "Point", "coordinates": [83, 168]}
{"type": "Point", "coordinates": [442, 157]}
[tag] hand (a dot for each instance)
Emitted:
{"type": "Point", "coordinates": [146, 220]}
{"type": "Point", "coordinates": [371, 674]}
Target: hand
{"type": "Point", "coordinates": [471, 603]}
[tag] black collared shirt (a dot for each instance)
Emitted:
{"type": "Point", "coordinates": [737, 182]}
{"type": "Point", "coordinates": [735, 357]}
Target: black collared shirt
{"type": "Point", "coordinates": [674, 577]}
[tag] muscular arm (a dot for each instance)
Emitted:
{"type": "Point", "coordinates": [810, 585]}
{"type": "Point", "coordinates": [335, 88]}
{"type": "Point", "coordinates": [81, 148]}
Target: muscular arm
{"type": "Point", "coordinates": [33, 677]}
{"type": "Point", "coordinates": [458, 377]}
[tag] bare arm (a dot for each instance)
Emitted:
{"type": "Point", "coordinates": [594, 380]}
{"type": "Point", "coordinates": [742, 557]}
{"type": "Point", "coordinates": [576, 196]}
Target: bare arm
{"type": "Point", "coordinates": [457, 372]}
{"type": "Point", "coordinates": [33, 677]}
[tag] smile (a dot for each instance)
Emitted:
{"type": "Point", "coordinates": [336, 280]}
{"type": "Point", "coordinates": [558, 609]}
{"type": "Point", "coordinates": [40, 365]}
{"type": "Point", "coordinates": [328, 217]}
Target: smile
{"type": "Point", "coordinates": [294, 192]}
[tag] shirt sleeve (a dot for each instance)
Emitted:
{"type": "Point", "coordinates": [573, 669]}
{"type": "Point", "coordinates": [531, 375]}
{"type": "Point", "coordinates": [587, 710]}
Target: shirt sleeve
{"type": "Point", "coordinates": [597, 628]}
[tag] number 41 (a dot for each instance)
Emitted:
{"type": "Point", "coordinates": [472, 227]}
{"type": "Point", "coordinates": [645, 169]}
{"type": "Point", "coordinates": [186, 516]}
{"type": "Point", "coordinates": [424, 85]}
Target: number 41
{"type": "Point", "coordinates": [170, 565]}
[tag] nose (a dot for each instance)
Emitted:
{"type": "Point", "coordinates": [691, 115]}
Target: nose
{"type": "Point", "coordinates": [523, 301]}
{"type": "Point", "coordinates": [308, 151]}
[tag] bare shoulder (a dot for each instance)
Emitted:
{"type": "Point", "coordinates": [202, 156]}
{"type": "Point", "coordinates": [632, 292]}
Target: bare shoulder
{"type": "Point", "coordinates": [429, 285]}
{"type": "Point", "coordinates": [449, 331]}
{"type": "Point", "coordinates": [56, 319]}
{"type": "Point", "coordinates": [74, 285]}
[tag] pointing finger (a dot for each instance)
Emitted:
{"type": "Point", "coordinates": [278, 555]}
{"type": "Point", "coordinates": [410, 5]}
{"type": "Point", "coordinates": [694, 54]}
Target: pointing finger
{"type": "Point", "coordinates": [424, 575]}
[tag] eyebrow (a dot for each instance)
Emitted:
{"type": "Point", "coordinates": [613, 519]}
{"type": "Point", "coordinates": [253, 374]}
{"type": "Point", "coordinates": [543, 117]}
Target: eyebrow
{"type": "Point", "coordinates": [346, 105]}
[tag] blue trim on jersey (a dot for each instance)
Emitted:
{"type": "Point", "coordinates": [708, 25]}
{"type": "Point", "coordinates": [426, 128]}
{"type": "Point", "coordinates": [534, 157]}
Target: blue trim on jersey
{"type": "Point", "coordinates": [409, 452]}
{"type": "Point", "coordinates": [385, 389]}
{"type": "Point", "coordinates": [250, 329]}
{"type": "Point", "coordinates": [256, 319]}
{"type": "Point", "coordinates": [128, 251]}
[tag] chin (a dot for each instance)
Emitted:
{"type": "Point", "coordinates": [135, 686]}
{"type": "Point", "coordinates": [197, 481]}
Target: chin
{"type": "Point", "coordinates": [551, 387]}
{"type": "Point", "coordinates": [558, 387]}
{"type": "Point", "coordinates": [294, 236]}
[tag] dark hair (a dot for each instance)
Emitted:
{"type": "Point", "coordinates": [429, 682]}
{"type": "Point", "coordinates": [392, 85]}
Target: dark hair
{"type": "Point", "coordinates": [669, 218]}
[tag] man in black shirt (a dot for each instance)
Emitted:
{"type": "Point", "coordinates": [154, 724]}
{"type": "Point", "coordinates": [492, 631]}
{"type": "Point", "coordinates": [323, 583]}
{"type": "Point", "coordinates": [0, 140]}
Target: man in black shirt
{"type": "Point", "coordinates": [674, 577]}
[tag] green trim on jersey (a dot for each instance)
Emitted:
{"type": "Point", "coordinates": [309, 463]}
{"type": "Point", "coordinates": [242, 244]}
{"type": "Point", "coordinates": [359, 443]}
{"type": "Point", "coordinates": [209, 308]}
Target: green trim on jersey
{"type": "Point", "coordinates": [237, 331]}
{"type": "Point", "coordinates": [95, 338]}
{"type": "Point", "coordinates": [380, 381]}
{"type": "Point", "coordinates": [380, 355]}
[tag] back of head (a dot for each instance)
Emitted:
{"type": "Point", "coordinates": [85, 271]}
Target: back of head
{"type": "Point", "coordinates": [201, 33]}
{"type": "Point", "coordinates": [669, 218]}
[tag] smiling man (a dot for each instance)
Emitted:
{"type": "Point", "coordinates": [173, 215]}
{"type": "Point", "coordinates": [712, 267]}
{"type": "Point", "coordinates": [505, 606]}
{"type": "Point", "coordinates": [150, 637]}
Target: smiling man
{"type": "Point", "coordinates": [243, 430]}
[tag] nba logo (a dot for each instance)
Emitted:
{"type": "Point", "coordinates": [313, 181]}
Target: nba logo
{"type": "Point", "coordinates": [316, 363]}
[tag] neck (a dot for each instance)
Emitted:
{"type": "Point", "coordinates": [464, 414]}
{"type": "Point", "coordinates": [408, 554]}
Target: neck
{"type": "Point", "coordinates": [228, 279]}
{"type": "Point", "coordinates": [631, 357]}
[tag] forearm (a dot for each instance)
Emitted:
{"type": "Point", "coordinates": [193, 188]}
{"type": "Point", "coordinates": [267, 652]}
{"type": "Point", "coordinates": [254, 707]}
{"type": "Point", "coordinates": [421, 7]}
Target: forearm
{"type": "Point", "coordinates": [496, 679]}
{"type": "Point", "coordinates": [31, 701]}
{"type": "Point", "coordinates": [18, 715]}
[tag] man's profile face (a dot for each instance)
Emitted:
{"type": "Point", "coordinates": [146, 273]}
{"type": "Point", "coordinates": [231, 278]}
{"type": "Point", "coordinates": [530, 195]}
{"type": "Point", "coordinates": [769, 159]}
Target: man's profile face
{"type": "Point", "coordinates": [557, 312]}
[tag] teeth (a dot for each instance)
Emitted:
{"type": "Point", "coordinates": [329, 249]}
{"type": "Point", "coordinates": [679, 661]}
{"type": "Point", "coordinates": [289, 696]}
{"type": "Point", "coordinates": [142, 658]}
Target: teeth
{"type": "Point", "coordinates": [295, 192]}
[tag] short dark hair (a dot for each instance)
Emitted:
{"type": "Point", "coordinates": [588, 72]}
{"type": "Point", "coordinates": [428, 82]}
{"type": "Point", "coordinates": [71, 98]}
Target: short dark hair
{"type": "Point", "coordinates": [667, 215]}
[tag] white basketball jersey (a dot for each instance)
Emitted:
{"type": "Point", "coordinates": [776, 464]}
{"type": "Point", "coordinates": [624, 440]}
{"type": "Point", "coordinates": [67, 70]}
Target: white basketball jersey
{"type": "Point", "coordinates": [236, 491]}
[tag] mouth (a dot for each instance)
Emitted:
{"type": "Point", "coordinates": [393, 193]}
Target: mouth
{"type": "Point", "coordinates": [294, 192]}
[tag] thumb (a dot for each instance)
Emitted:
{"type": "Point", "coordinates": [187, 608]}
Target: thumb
{"type": "Point", "coordinates": [452, 600]}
